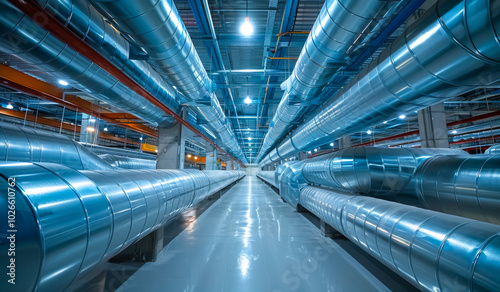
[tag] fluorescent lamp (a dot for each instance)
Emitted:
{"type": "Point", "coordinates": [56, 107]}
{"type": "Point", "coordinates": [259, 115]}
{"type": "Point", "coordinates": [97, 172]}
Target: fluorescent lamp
{"type": "Point", "coordinates": [246, 28]}
{"type": "Point", "coordinates": [63, 82]}
{"type": "Point", "coordinates": [9, 106]}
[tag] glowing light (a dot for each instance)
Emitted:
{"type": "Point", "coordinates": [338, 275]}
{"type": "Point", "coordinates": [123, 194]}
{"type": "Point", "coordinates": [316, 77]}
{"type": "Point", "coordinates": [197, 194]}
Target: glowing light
{"type": "Point", "coordinates": [246, 28]}
{"type": "Point", "coordinates": [90, 129]}
{"type": "Point", "coordinates": [189, 155]}
{"type": "Point", "coordinates": [91, 120]}
{"type": "Point", "coordinates": [402, 117]}
{"type": "Point", "coordinates": [249, 138]}
{"type": "Point", "coordinates": [249, 149]}
{"type": "Point", "coordinates": [156, 150]}
{"type": "Point", "coordinates": [196, 157]}
{"type": "Point", "coordinates": [331, 144]}
{"type": "Point", "coordinates": [140, 138]}
{"type": "Point", "coordinates": [369, 132]}
{"type": "Point", "coordinates": [309, 152]}
{"type": "Point", "coordinates": [9, 106]}
{"type": "Point", "coordinates": [247, 100]}
{"type": "Point", "coordinates": [105, 129]}
{"type": "Point", "coordinates": [63, 82]}
{"type": "Point", "coordinates": [315, 150]}
{"type": "Point", "coordinates": [454, 132]}
{"type": "Point", "coordinates": [385, 122]}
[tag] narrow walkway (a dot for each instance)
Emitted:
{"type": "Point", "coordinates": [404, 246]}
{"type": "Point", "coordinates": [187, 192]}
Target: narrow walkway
{"type": "Point", "coordinates": [249, 240]}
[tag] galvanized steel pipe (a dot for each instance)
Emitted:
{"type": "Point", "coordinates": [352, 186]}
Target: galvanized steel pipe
{"type": "Point", "coordinates": [432, 250]}
{"type": "Point", "coordinates": [421, 68]}
{"type": "Point", "coordinates": [69, 221]}
{"type": "Point", "coordinates": [267, 176]}
{"type": "Point", "coordinates": [123, 162]}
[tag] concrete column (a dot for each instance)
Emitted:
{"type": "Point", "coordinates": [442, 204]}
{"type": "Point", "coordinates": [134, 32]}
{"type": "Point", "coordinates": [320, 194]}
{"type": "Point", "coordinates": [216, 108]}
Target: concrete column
{"type": "Point", "coordinates": [171, 147]}
{"type": "Point", "coordinates": [229, 164]}
{"type": "Point", "coordinates": [89, 131]}
{"type": "Point", "coordinates": [345, 142]}
{"type": "Point", "coordinates": [211, 157]}
{"type": "Point", "coordinates": [432, 127]}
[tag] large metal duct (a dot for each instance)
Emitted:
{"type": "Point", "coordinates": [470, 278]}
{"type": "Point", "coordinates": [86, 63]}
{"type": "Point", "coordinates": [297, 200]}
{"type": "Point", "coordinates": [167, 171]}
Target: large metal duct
{"type": "Point", "coordinates": [291, 181]}
{"type": "Point", "coordinates": [267, 176]}
{"type": "Point", "coordinates": [24, 39]}
{"type": "Point", "coordinates": [98, 149]}
{"type": "Point", "coordinates": [123, 162]}
{"type": "Point", "coordinates": [69, 221]}
{"type": "Point", "coordinates": [495, 149]}
{"type": "Point", "coordinates": [342, 27]}
{"type": "Point", "coordinates": [18, 143]}
{"type": "Point", "coordinates": [432, 250]}
{"type": "Point", "coordinates": [466, 186]}
{"type": "Point", "coordinates": [421, 68]}
{"type": "Point", "coordinates": [381, 172]}
{"type": "Point", "coordinates": [156, 26]}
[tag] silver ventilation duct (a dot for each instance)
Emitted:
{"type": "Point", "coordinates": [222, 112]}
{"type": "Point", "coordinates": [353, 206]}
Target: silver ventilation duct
{"type": "Point", "coordinates": [291, 181]}
{"type": "Point", "coordinates": [123, 162]}
{"type": "Point", "coordinates": [495, 149]}
{"type": "Point", "coordinates": [422, 67]}
{"type": "Point", "coordinates": [26, 40]}
{"type": "Point", "coordinates": [156, 26]}
{"type": "Point", "coordinates": [99, 150]}
{"type": "Point", "coordinates": [342, 27]}
{"type": "Point", "coordinates": [69, 221]}
{"type": "Point", "coordinates": [32, 145]}
{"type": "Point", "coordinates": [462, 185]}
{"type": "Point", "coordinates": [432, 250]}
{"type": "Point", "coordinates": [267, 176]}
{"type": "Point", "coordinates": [382, 172]}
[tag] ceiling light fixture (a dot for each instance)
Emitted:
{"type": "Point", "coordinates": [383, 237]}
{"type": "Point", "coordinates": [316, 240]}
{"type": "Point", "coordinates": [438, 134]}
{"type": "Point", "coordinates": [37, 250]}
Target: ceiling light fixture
{"type": "Point", "coordinates": [454, 132]}
{"type": "Point", "coordinates": [140, 138]}
{"type": "Point", "coordinates": [369, 132]}
{"type": "Point", "coordinates": [105, 129]}
{"type": "Point", "coordinates": [10, 106]}
{"type": "Point", "coordinates": [247, 100]}
{"type": "Point", "coordinates": [402, 117]}
{"type": "Point", "coordinates": [249, 138]}
{"type": "Point", "coordinates": [63, 82]}
{"type": "Point", "coordinates": [246, 28]}
{"type": "Point", "coordinates": [189, 155]}
{"type": "Point", "coordinates": [331, 144]}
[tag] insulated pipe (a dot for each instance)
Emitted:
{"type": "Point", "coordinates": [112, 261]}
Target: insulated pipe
{"type": "Point", "coordinates": [467, 186]}
{"type": "Point", "coordinates": [18, 143]}
{"type": "Point", "coordinates": [267, 176]}
{"type": "Point", "coordinates": [98, 149]}
{"type": "Point", "coordinates": [68, 221]}
{"type": "Point", "coordinates": [421, 68]}
{"type": "Point", "coordinates": [128, 162]}
{"type": "Point", "coordinates": [382, 172]}
{"type": "Point", "coordinates": [22, 38]}
{"type": "Point", "coordinates": [156, 26]}
{"type": "Point", "coordinates": [291, 181]}
{"type": "Point", "coordinates": [432, 250]}
{"type": "Point", "coordinates": [342, 27]}
{"type": "Point", "coordinates": [495, 149]}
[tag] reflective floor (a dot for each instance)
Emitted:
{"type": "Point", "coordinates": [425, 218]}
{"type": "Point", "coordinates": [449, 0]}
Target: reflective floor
{"type": "Point", "coordinates": [249, 240]}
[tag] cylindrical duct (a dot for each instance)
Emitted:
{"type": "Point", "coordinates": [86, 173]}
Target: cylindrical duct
{"type": "Point", "coordinates": [421, 68]}
{"type": "Point", "coordinates": [432, 250]}
{"type": "Point", "coordinates": [128, 162]}
{"type": "Point", "coordinates": [495, 149]}
{"type": "Point", "coordinates": [463, 185]}
{"type": "Point", "coordinates": [267, 176]}
{"type": "Point", "coordinates": [291, 181]}
{"type": "Point", "coordinates": [69, 221]}
{"type": "Point", "coordinates": [19, 143]}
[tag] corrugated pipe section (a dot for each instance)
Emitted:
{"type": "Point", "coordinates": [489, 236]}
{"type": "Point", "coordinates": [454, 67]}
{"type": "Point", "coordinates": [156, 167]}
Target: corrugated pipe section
{"type": "Point", "coordinates": [18, 143]}
{"type": "Point", "coordinates": [421, 68]}
{"type": "Point", "coordinates": [267, 176]}
{"type": "Point", "coordinates": [79, 219]}
{"type": "Point", "coordinates": [432, 250]}
{"type": "Point", "coordinates": [99, 150]}
{"type": "Point", "coordinates": [27, 41]}
{"type": "Point", "coordinates": [342, 27]}
{"type": "Point", "coordinates": [290, 181]}
{"type": "Point", "coordinates": [156, 26]}
{"type": "Point", "coordinates": [463, 185]}
{"type": "Point", "coordinates": [123, 162]}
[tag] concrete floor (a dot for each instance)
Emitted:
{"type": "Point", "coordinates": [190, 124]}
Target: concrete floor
{"type": "Point", "coordinates": [248, 240]}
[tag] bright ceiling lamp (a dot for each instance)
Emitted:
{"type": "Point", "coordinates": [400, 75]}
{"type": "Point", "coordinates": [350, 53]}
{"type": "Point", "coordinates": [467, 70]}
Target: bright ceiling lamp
{"type": "Point", "coordinates": [247, 100]}
{"type": "Point", "coordinates": [10, 106]}
{"type": "Point", "coordinates": [246, 28]}
{"type": "Point", "coordinates": [402, 117]}
{"type": "Point", "coordinates": [63, 82]}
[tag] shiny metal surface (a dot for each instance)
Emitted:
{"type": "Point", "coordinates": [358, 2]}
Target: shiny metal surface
{"type": "Point", "coordinates": [128, 162]}
{"type": "Point", "coordinates": [291, 181]}
{"type": "Point", "coordinates": [421, 68]}
{"type": "Point", "coordinates": [18, 143]}
{"type": "Point", "coordinates": [73, 220]}
{"type": "Point", "coordinates": [267, 176]}
{"type": "Point", "coordinates": [495, 149]}
{"type": "Point", "coordinates": [23, 38]}
{"type": "Point", "coordinates": [342, 27]}
{"type": "Point", "coordinates": [381, 172]}
{"type": "Point", "coordinates": [98, 149]}
{"type": "Point", "coordinates": [157, 27]}
{"type": "Point", "coordinates": [463, 185]}
{"type": "Point", "coordinates": [250, 241]}
{"type": "Point", "coordinates": [432, 250]}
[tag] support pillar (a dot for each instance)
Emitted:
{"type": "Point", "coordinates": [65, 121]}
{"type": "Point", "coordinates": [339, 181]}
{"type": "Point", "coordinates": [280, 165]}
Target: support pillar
{"type": "Point", "coordinates": [89, 131]}
{"type": "Point", "coordinates": [432, 127]}
{"type": "Point", "coordinates": [171, 147]}
{"type": "Point", "coordinates": [211, 157]}
{"type": "Point", "coordinates": [345, 142]}
{"type": "Point", "coordinates": [229, 164]}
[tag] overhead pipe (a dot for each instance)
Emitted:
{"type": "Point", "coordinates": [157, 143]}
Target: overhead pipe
{"type": "Point", "coordinates": [23, 144]}
{"type": "Point", "coordinates": [68, 221]}
{"type": "Point", "coordinates": [25, 39]}
{"type": "Point", "coordinates": [34, 11]}
{"type": "Point", "coordinates": [462, 185]}
{"type": "Point", "coordinates": [342, 27]}
{"type": "Point", "coordinates": [156, 26]}
{"type": "Point", "coordinates": [421, 68]}
{"type": "Point", "coordinates": [493, 150]}
{"type": "Point", "coordinates": [122, 162]}
{"type": "Point", "coordinates": [99, 150]}
{"type": "Point", "coordinates": [431, 250]}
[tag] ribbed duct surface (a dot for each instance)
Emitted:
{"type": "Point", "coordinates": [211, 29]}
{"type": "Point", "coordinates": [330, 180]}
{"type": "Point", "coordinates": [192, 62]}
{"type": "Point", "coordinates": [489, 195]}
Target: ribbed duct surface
{"type": "Point", "coordinates": [466, 186]}
{"type": "Point", "coordinates": [342, 27]}
{"type": "Point", "coordinates": [156, 26]}
{"type": "Point", "coordinates": [369, 170]}
{"type": "Point", "coordinates": [291, 181]}
{"type": "Point", "coordinates": [422, 67]}
{"type": "Point", "coordinates": [267, 176]}
{"type": "Point", "coordinates": [18, 143]}
{"type": "Point", "coordinates": [123, 162]}
{"type": "Point", "coordinates": [69, 221]}
{"type": "Point", "coordinates": [99, 150]}
{"type": "Point", "coordinates": [433, 251]}
{"type": "Point", "coordinates": [26, 40]}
